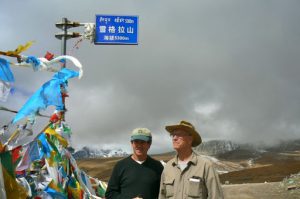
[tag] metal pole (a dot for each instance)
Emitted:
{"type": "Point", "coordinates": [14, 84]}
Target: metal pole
{"type": "Point", "coordinates": [64, 39]}
{"type": "Point", "coordinates": [64, 52]}
{"type": "Point", "coordinates": [64, 25]}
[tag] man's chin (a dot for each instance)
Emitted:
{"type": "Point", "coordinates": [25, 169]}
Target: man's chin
{"type": "Point", "coordinates": [139, 153]}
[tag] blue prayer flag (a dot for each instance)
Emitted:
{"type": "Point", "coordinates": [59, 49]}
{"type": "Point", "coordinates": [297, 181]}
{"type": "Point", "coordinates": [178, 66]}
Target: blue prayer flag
{"type": "Point", "coordinates": [36, 63]}
{"type": "Point", "coordinates": [55, 194]}
{"type": "Point", "coordinates": [46, 148]}
{"type": "Point", "coordinates": [5, 72]}
{"type": "Point", "coordinates": [65, 74]}
{"type": "Point", "coordinates": [34, 151]}
{"type": "Point", "coordinates": [48, 94]}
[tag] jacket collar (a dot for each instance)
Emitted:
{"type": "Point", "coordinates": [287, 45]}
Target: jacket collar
{"type": "Point", "coordinates": [193, 160]}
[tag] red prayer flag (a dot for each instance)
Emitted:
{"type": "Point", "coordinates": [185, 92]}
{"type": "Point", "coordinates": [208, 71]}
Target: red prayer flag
{"type": "Point", "coordinates": [49, 56]}
{"type": "Point", "coordinates": [16, 154]}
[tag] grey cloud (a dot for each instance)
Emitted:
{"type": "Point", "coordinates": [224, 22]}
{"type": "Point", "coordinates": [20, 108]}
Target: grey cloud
{"type": "Point", "coordinates": [242, 55]}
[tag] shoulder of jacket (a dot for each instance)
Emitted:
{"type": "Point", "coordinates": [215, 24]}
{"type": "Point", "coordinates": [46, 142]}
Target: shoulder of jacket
{"type": "Point", "coordinates": [124, 160]}
{"type": "Point", "coordinates": [170, 162]}
{"type": "Point", "coordinates": [157, 162]}
{"type": "Point", "coordinates": [207, 160]}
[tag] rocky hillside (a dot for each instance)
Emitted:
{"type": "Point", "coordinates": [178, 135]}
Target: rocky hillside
{"type": "Point", "coordinates": [216, 147]}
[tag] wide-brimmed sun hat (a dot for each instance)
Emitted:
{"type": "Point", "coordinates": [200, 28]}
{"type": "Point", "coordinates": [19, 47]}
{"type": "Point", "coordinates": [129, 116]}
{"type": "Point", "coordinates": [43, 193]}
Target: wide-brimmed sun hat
{"type": "Point", "coordinates": [141, 134]}
{"type": "Point", "coordinates": [187, 127]}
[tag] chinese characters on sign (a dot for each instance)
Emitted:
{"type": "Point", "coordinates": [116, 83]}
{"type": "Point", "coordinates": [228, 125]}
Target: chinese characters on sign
{"type": "Point", "coordinates": [116, 29]}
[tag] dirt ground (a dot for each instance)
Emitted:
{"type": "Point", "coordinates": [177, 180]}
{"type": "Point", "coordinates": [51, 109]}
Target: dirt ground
{"type": "Point", "coordinates": [269, 167]}
{"type": "Point", "coordinates": [273, 190]}
{"type": "Point", "coordinates": [267, 178]}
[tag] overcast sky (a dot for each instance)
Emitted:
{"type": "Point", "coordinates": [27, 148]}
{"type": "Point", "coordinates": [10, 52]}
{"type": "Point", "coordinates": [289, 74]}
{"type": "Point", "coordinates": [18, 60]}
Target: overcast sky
{"type": "Point", "coordinates": [231, 67]}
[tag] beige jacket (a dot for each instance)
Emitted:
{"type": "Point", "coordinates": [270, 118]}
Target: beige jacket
{"type": "Point", "coordinates": [198, 180]}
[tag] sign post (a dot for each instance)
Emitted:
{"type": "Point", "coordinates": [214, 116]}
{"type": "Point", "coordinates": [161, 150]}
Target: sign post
{"type": "Point", "coordinates": [116, 30]}
{"type": "Point", "coordinates": [64, 25]}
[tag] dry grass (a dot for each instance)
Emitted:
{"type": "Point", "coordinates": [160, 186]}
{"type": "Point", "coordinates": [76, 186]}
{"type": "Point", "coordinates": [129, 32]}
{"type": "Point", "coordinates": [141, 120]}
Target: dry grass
{"type": "Point", "coordinates": [270, 167]}
{"type": "Point", "coordinates": [100, 168]}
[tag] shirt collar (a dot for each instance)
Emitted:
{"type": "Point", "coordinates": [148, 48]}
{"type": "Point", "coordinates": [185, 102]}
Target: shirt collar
{"type": "Point", "coordinates": [193, 160]}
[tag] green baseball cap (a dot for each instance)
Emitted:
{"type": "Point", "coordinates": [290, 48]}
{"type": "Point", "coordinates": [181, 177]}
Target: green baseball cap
{"type": "Point", "coordinates": [141, 134]}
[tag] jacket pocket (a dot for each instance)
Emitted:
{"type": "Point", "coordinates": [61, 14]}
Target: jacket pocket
{"type": "Point", "coordinates": [195, 188]}
{"type": "Point", "coordinates": [169, 187]}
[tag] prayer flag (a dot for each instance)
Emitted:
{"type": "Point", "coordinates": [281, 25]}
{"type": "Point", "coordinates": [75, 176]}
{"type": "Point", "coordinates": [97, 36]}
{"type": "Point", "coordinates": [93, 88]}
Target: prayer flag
{"type": "Point", "coordinates": [5, 72]}
{"type": "Point", "coordinates": [61, 140]}
{"type": "Point", "coordinates": [25, 161]}
{"type": "Point", "coordinates": [46, 148]}
{"type": "Point", "coordinates": [34, 61]}
{"type": "Point", "coordinates": [16, 155]}
{"type": "Point", "coordinates": [7, 163]}
{"type": "Point", "coordinates": [48, 94]}
{"type": "Point", "coordinates": [49, 56]}
{"type": "Point", "coordinates": [34, 151]}
{"type": "Point", "coordinates": [20, 49]}
{"type": "Point", "coordinates": [12, 188]}
{"type": "Point", "coordinates": [4, 90]}
{"type": "Point", "coordinates": [55, 194]}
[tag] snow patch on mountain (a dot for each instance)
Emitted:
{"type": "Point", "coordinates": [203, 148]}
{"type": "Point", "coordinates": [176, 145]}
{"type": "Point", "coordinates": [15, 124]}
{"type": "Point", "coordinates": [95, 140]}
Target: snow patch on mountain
{"type": "Point", "coordinates": [87, 152]}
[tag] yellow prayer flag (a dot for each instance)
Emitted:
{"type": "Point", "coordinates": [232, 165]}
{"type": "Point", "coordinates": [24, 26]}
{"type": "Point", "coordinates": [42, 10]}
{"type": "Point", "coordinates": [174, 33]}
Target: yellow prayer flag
{"type": "Point", "coordinates": [20, 49]}
{"type": "Point", "coordinates": [12, 188]}
{"type": "Point", "coordinates": [13, 136]}
{"type": "Point", "coordinates": [75, 192]}
{"type": "Point", "coordinates": [51, 160]}
{"type": "Point", "coordinates": [54, 186]}
{"type": "Point", "coordinates": [61, 140]}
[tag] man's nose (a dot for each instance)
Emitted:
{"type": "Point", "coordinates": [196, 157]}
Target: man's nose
{"type": "Point", "coordinates": [139, 142]}
{"type": "Point", "coordinates": [175, 137]}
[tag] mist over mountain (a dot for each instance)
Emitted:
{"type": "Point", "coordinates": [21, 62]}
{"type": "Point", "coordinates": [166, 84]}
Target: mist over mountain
{"type": "Point", "coordinates": [216, 147]}
{"type": "Point", "coordinates": [291, 145]}
{"type": "Point", "coordinates": [222, 148]}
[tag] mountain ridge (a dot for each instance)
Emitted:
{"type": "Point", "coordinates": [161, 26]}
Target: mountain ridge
{"type": "Point", "coordinates": [218, 148]}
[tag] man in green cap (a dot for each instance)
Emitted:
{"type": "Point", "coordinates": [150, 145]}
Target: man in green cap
{"type": "Point", "coordinates": [137, 176]}
{"type": "Point", "coordinates": [188, 175]}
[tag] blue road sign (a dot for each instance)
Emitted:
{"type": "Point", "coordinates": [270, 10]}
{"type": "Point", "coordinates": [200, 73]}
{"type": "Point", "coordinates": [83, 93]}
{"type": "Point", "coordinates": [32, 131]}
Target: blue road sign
{"type": "Point", "coordinates": [112, 29]}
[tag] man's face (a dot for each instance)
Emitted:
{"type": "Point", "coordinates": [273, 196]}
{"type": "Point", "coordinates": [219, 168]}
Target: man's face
{"type": "Point", "coordinates": [181, 139]}
{"type": "Point", "coordinates": [140, 147]}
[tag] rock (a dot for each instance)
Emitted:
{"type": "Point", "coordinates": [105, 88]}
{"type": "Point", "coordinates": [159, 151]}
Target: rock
{"type": "Point", "coordinates": [291, 187]}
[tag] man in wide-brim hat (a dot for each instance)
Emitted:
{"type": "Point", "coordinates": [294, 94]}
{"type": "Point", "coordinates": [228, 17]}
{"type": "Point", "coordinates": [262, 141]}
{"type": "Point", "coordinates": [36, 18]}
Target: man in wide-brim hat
{"type": "Point", "coordinates": [188, 174]}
